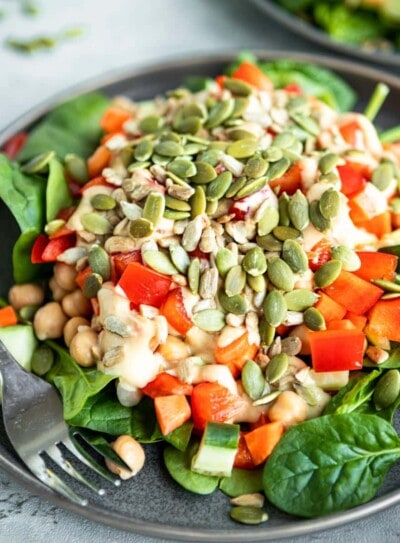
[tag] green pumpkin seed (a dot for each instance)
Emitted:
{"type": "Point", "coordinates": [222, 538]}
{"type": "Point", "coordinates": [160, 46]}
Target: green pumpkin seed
{"type": "Point", "coordinates": [246, 514]}
{"type": "Point", "coordinates": [220, 112]}
{"type": "Point", "coordinates": [387, 389]}
{"type": "Point", "coordinates": [284, 140]}
{"type": "Point", "coordinates": [382, 176]}
{"type": "Point", "coordinates": [154, 207]}
{"type": "Point", "coordinates": [42, 360]}
{"type": "Point", "coordinates": [238, 87]}
{"type": "Point", "coordinates": [209, 320]}
{"type": "Point", "coordinates": [284, 233]}
{"type": "Point", "coordinates": [198, 202]}
{"type": "Point", "coordinates": [211, 156]}
{"type": "Point", "coordinates": [238, 133]}
{"type": "Point", "coordinates": [298, 210]}
{"type": "Point", "coordinates": [96, 224]}
{"type": "Point", "coordinates": [238, 305]}
{"type": "Point", "coordinates": [211, 208]}
{"type": "Point", "coordinates": [194, 110]}
{"type": "Point", "coordinates": [268, 221]}
{"type": "Point", "coordinates": [306, 122]}
{"type": "Point", "coordinates": [205, 173]}
{"type": "Point", "coordinates": [159, 262]}
{"type": "Point", "coordinates": [280, 274]}
{"type": "Point", "coordinates": [314, 320]}
{"type": "Point", "coordinates": [266, 331]}
{"type": "Point", "coordinates": [179, 257]}
{"type": "Point", "coordinates": [328, 162]}
{"type": "Point", "coordinates": [274, 308]}
{"type": "Point", "coordinates": [295, 256]}
{"type": "Point", "coordinates": [92, 285]}
{"type": "Point", "coordinates": [194, 148]}
{"type": "Point", "coordinates": [255, 167]}
{"type": "Point", "coordinates": [349, 258]}
{"type": "Point", "coordinates": [268, 398]}
{"type": "Point", "coordinates": [217, 188]}
{"type": "Point", "coordinates": [243, 148]}
{"type": "Point", "coordinates": [140, 228]}
{"type": "Point", "coordinates": [257, 283]}
{"type": "Point", "coordinates": [76, 168]}
{"type": "Point", "coordinates": [189, 125]}
{"type": "Point", "coordinates": [182, 167]}
{"type": "Point", "coordinates": [169, 149]}
{"type": "Point", "coordinates": [39, 163]}
{"type": "Point", "coordinates": [136, 165]}
{"type": "Point", "coordinates": [273, 154]}
{"type": "Point", "coordinates": [160, 160]}
{"type": "Point", "coordinates": [52, 226]}
{"type": "Point", "coordinates": [144, 150]}
{"type": "Point", "coordinates": [151, 124]}
{"type": "Point", "coordinates": [240, 106]}
{"type": "Point", "coordinates": [388, 286]}
{"type": "Point", "coordinates": [277, 367]}
{"type": "Point", "coordinates": [254, 263]}
{"type": "Point", "coordinates": [298, 103]}
{"type": "Point", "coordinates": [329, 204]}
{"type": "Point", "coordinates": [170, 136]}
{"type": "Point", "coordinates": [283, 207]}
{"type": "Point", "coordinates": [253, 380]}
{"type": "Point", "coordinates": [236, 186]}
{"type": "Point", "coordinates": [99, 261]}
{"type": "Point", "coordinates": [177, 205]}
{"type": "Point", "coordinates": [176, 215]}
{"type": "Point", "coordinates": [193, 275]}
{"type": "Point", "coordinates": [300, 299]}
{"type": "Point", "coordinates": [235, 281]}
{"type": "Point", "coordinates": [317, 219]}
{"type": "Point", "coordinates": [269, 243]}
{"type": "Point", "coordinates": [103, 202]}
{"type": "Point", "coordinates": [224, 260]}
{"type": "Point", "coordinates": [327, 273]}
{"type": "Point", "coordinates": [251, 188]}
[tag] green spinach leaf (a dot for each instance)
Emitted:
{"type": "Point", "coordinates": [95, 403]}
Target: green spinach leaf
{"type": "Point", "coordinates": [23, 269]}
{"type": "Point", "coordinates": [357, 392]}
{"type": "Point", "coordinates": [242, 481]}
{"type": "Point", "coordinates": [393, 362]}
{"type": "Point", "coordinates": [330, 464]}
{"type": "Point", "coordinates": [180, 437]}
{"type": "Point", "coordinates": [58, 194]}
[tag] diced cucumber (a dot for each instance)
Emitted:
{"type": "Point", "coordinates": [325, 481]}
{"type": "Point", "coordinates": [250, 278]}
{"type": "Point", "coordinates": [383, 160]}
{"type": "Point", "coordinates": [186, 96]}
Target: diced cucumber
{"type": "Point", "coordinates": [330, 380]}
{"type": "Point", "coordinates": [217, 450]}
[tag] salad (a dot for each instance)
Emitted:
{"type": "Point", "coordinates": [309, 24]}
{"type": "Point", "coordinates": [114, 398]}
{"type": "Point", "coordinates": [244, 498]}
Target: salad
{"type": "Point", "coordinates": [217, 269]}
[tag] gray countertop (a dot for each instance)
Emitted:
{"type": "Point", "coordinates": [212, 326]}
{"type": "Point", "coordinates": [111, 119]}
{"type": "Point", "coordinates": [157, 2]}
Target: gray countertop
{"type": "Point", "coordinates": [119, 34]}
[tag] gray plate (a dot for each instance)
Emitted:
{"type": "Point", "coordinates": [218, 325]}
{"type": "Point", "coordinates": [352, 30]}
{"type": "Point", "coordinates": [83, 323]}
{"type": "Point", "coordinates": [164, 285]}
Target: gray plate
{"type": "Point", "coordinates": [310, 32]}
{"type": "Point", "coordinates": [151, 503]}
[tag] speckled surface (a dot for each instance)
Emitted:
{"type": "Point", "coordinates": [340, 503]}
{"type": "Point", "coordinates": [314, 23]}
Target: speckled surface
{"type": "Point", "coordinates": [120, 34]}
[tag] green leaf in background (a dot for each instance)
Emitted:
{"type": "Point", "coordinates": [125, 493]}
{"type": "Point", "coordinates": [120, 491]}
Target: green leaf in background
{"type": "Point", "coordinates": [57, 192]}
{"type": "Point", "coordinates": [330, 464]}
{"type": "Point", "coordinates": [72, 127]}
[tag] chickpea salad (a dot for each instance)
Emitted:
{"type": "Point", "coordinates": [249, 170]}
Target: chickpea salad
{"type": "Point", "coordinates": [217, 269]}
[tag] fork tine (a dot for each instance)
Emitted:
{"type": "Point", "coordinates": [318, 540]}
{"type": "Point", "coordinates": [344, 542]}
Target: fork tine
{"type": "Point", "coordinates": [51, 479]}
{"type": "Point", "coordinates": [57, 456]}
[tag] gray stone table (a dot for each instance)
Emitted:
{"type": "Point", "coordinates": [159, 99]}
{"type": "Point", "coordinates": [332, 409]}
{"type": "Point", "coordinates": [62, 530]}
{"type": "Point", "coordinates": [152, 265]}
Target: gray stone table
{"type": "Point", "coordinates": [118, 34]}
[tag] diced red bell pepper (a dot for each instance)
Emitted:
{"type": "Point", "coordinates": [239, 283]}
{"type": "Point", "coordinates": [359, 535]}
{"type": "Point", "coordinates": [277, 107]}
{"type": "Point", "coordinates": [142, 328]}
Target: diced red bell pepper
{"type": "Point", "coordinates": [60, 232]}
{"type": "Point", "coordinates": [174, 311]}
{"type": "Point", "coordinates": [336, 350]}
{"type": "Point", "coordinates": [329, 309]}
{"type": "Point", "coordinates": [376, 265]}
{"type": "Point", "coordinates": [289, 182]}
{"type": "Point", "coordinates": [262, 441]}
{"type": "Point", "coordinates": [212, 402]}
{"type": "Point", "coordinates": [66, 212]}
{"type": "Point", "coordinates": [293, 88]}
{"type": "Point", "coordinates": [57, 246]}
{"type": "Point", "coordinates": [38, 247]}
{"type": "Point", "coordinates": [144, 286]}
{"type": "Point", "coordinates": [121, 260]}
{"type": "Point", "coordinates": [353, 177]}
{"type": "Point", "coordinates": [379, 224]}
{"type": "Point", "coordinates": [235, 354]}
{"type": "Point", "coordinates": [95, 182]}
{"type": "Point", "coordinates": [8, 316]}
{"type": "Point", "coordinates": [349, 132]}
{"type": "Point", "coordinates": [171, 412]}
{"type": "Point", "coordinates": [14, 145]}
{"type": "Point", "coordinates": [243, 458]}
{"type": "Point", "coordinates": [384, 320]}
{"type": "Point", "coordinates": [319, 254]}
{"type": "Point", "coordinates": [165, 384]}
{"type": "Point", "coordinates": [250, 73]}
{"type": "Point", "coordinates": [114, 118]}
{"type": "Point", "coordinates": [82, 275]}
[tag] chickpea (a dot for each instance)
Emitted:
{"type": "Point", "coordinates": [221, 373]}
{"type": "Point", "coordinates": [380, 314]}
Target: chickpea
{"type": "Point", "coordinates": [75, 304]}
{"type": "Point", "coordinates": [71, 328]}
{"type": "Point", "coordinates": [27, 294]}
{"type": "Point", "coordinates": [131, 452]}
{"type": "Point", "coordinates": [83, 347]}
{"type": "Point", "coordinates": [288, 408]}
{"type": "Point", "coordinates": [173, 349]}
{"type": "Point", "coordinates": [49, 321]}
{"type": "Point", "coordinates": [65, 276]}
{"type": "Point", "coordinates": [57, 292]}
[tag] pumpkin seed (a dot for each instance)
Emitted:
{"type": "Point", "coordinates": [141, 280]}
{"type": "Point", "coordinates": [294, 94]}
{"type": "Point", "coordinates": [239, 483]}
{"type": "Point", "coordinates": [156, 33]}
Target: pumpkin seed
{"type": "Point", "coordinates": [387, 389]}
{"type": "Point", "coordinates": [103, 202]}
{"type": "Point", "coordinates": [277, 367]}
{"type": "Point", "coordinates": [280, 274]}
{"type": "Point", "coordinates": [144, 150]}
{"type": "Point", "coordinates": [220, 112]}
{"type": "Point", "coordinates": [218, 187]}
{"type": "Point", "coordinates": [96, 224]}
{"type": "Point", "coordinates": [305, 122]}
{"type": "Point", "coordinates": [268, 221]}
{"type": "Point", "coordinates": [349, 258]}
{"type": "Point", "coordinates": [160, 160]}
{"type": "Point", "coordinates": [238, 133]}
{"type": "Point", "coordinates": [255, 167]}
{"type": "Point", "coordinates": [327, 273]}
{"type": "Point", "coordinates": [251, 188]}
{"type": "Point", "coordinates": [208, 283]}
{"type": "Point", "coordinates": [210, 156]}
{"type": "Point", "coordinates": [194, 109]}
{"type": "Point", "coordinates": [182, 167]}
{"type": "Point", "coordinates": [54, 225]}
{"type": "Point", "coordinates": [176, 215]}
{"type": "Point", "coordinates": [283, 207]}
{"type": "Point", "coordinates": [329, 204]}
{"type": "Point", "coordinates": [212, 208]}
{"type": "Point", "coordinates": [177, 205]}
{"type": "Point", "coordinates": [291, 345]}
{"type": "Point", "coordinates": [189, 125]}
{"type": "Point", "coordinates": [246, 514]}
{"type": "Point", "coordinates": [150, 124]}
{"type": "Point", "coordinates": [39, 163]}
{"type": "Point", "coordinates": [76, 168]}
{"type": "Point", "coordinates": [273, 153]}
{"type": "Point", "coordinates": [159, 262]}
{"type": "Point", "coordinates": [382, 176]}
{"type": "Point", "coordinates": [138, 165]}
{"type": "Point", "coordinates": [388, 286]}
{"type": "Point", "coordinates": [99, 261]}
{"type": "Point", "coordinates": [193, 148]}
{"type": "Point", "coordinates": [205, 173]}
{"type": "Point", "coordinates": [237, 185]}
{"type": "Point", "coordinates": [192, 234]}
{"type": "Point", "coordinates": [300, 299]}
{"type": "Point", "coordinates": [243, 148]}
{"type": "Point", "coordinates": [268, 398]}
{"type": "Point", "coordinates": [92, 285]}
{"type": "Point", "coordinates": [298, 103]}
{"type": "Point", "coordinates": [238, 304]}
{"type": "Point", "coordinates": [225, 260]}
{"type": "Point", "coordinates": [295, 256]}
{"type": "Point", "coordinates": [284, 233]}
{"type": "Point", "coordinates": [257, 283]}
{"type": "Point", "coordinates": [328, 162]}
{"type": "Point", "coordinates": [209, 320]}
{"type": "Point", "coordinates": [269, 243]}
{"type": "Point", "coordinates": [274, 308]}
{"type": "Point", "coordinates": [235, 281]}
{"type": "Point", "coordinates": [253, 380]}
{"type": "Point", "coordinates": [314, 320]}
{"type": "Point", "coordinates": [42, 360]}
{"type": "Point", "coordinates": [266, 331]}
{"type": "Point", "coordinates": [119, 244]}
{"type": "Point", "coordinates": [317, 219]}
{"type": "Point", "coordinates": [238, 87]}
{"type": "Point", "coordinates": [254, 263]}
{"type": "Point", "coordinates": [140, 228]}
{"type": "Point", "coordinates": [169, 149]}
{"type": "Point", "coordinates": [298, 210]}
{"type": "Point", "coordinates": [193, 275]}
{"type": "Point", "coordinates": [114, 324]}
{"type": "Point", "coordinates": [255, 500]}
{"type": "Point", "coordinates": [179, 257]}
{"type": "Point", "coordinates": [284, 140]}
{"type": "Point", "coordinates": [198, 202]}
{"type": "Point", "coordinates": [240, 106]}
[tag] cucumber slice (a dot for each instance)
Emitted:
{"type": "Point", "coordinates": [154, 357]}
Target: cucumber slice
{"type": "Point", "coordinates": [217, 450]}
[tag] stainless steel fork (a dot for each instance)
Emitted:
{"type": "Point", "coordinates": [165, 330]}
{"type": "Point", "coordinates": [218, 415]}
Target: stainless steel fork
{"type": "Point", "coordinates": [34, 423]}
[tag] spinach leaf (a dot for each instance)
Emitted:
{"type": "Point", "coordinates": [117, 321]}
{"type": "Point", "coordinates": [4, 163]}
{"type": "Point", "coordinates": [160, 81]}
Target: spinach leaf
{"type": "Point", "coordinates": [75, 384]}
{"type": "Point", "coordinates": [57, 192]}
{"type": "Point", "coordinates": [357, 392]}
{"type": "Point", "coordinates": [330, 464]}
{"type": "Point", "coordinates": [393, 362]}
{"type": "Point", "coordinates": [242, 481]}
{"type": "Point", "coordinates": [72, 127]}
{"type": "Point", "coordinates": [23, 269]}
{"type": "Point", "coordinates": [23, 194]}
{"type": "Point", "coordinates": [178, 465]}
{"type": "Point", "coordinates": [180, 437]}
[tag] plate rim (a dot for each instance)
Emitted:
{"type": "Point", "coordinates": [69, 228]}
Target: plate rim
{"type": "Point", "coordinates": [146, 528]}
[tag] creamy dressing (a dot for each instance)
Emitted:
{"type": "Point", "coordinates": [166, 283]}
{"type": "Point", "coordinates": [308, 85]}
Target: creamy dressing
{"type": "Point", "coordinates": [84, 206]}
